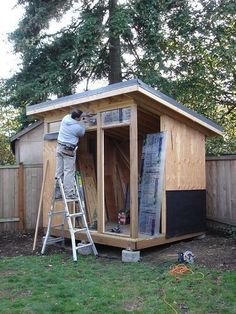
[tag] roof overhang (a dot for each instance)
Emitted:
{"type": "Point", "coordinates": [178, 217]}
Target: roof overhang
{"type": "Point", "coordinates": [125, 88]}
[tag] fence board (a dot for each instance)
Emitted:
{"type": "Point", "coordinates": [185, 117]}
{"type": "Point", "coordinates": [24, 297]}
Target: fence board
{"type": "Point", "coordinates": [9, 196]}
{"type": "Point", "coordinates": [221, 189]}
{"type": "Point", "coordinates": [8, 199]}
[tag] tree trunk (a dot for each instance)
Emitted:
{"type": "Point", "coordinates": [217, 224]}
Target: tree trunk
{"type": "Point", "coordinates": [114, 47]}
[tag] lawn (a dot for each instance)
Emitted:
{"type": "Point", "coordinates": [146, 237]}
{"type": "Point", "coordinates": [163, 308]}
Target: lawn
{"type": "Point", "coordinates": [56, 284]}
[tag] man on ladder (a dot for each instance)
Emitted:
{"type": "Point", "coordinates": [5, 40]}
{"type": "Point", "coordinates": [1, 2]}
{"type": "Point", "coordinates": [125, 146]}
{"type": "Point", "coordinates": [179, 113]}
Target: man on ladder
{"type": "Point", "coordinates": [71, 129]}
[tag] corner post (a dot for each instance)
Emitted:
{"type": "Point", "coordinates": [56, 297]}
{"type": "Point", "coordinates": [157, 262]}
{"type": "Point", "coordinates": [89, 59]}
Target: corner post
{"type": "Point", "coordinates": [134, 173]}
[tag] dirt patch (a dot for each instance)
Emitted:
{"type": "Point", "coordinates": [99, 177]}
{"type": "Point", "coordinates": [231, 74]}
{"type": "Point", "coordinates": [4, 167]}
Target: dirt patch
{"type": "Point", "coordinates": [213, 251]}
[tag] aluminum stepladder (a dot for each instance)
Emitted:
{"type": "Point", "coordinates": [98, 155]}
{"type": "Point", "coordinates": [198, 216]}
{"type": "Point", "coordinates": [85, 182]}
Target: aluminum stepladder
{"type": "Point", "coordinates": [67, 216]}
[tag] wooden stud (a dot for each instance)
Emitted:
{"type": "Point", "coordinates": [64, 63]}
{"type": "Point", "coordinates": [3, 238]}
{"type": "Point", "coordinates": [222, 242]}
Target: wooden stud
{"type": "Point", "coordinates": [100, 177]}
{"type": "Point", "coordinates": [134, 173]}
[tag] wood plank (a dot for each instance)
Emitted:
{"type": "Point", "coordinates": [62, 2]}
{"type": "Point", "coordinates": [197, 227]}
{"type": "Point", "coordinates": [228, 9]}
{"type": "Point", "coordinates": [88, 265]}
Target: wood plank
{"type": "Point", "coordinates": [40, 205]}
{"type": "Point", "coordinates": [87, 171]}
{"type": "Point", "coordinates": [110, 198]}
{"type": "Point", "coordinates": [100, 177]}
{"type": "Point", "coordinates": [134, 173]}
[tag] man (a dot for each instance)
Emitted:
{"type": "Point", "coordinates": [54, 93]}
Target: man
{"type": "Point", "coordinates": [71, 129]}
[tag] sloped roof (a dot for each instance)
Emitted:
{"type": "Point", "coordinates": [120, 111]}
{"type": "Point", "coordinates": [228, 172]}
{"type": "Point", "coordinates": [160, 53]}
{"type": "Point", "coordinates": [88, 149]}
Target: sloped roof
{"type": "Point", "coordinates": [19, 134]}
{"type": "Point", "coordinates": [126, 87]}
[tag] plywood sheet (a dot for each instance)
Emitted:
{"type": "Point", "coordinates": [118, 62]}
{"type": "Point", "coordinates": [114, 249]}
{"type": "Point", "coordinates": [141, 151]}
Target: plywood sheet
{"type": "Point", "coordinates": [185, 157]}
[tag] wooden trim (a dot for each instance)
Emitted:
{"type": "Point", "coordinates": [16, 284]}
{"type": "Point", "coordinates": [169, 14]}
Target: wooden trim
{"type": "Point", "coordinates": [100, 177]}
{"type": "Point", "coordinates": [11, 219]}
{"type": "Point", "coordinates": [21, 196]}
{"type": "Point", "coordinates": [134, 173]}
{"type": "Point", "coordinates": [133, 244]}
{"type": "Point", "coordinates": [101, 238]}
{"type": "Point", "coordinates": [86, 99]}
{"type": "Point", "coordinates": [226, 157]}
{"type": "Point", "coordinates": [227, 221]}
{"type": "Point", "coordinates": [146, 243]}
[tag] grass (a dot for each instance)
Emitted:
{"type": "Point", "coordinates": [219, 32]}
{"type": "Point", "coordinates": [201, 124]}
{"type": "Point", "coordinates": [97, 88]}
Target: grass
{"type": "Point", "coordinates": [55, 284]}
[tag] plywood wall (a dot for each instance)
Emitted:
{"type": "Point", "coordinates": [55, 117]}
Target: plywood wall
{"type": "Point", "coordinates": [185, 156]}
{"type": "Point", "coordinates": [50, 155]}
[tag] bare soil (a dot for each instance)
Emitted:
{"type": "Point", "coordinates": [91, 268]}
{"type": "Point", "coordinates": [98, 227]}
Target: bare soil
{"type": "Point", "coordinates": [213, 251]}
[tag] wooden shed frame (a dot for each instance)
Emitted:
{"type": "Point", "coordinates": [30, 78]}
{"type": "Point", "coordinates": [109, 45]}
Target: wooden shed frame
{"type": "Point", "coordinates": [150, 111]}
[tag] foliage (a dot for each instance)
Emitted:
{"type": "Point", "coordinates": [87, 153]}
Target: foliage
{"type": "Point", "coordinates": [55, 284]}
{"type": "Point", "coordinates": [184, 48]}
{"type": "Point", "coordinates": [8, 126]}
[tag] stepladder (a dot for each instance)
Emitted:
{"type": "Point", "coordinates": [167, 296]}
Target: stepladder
{"type": "Point", "coordinates": [70, 213]}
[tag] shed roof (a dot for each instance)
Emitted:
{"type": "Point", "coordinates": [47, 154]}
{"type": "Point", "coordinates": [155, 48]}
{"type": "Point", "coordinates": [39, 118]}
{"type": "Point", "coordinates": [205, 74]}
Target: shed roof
{"type": "Point", "coordinates": [125, 87]}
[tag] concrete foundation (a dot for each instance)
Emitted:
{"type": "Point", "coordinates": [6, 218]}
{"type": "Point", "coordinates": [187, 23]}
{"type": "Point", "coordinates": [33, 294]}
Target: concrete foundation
{"type": "Point", "coordinates": [84, 250]}
{"type": "Point", "coordinates": [130, 256]}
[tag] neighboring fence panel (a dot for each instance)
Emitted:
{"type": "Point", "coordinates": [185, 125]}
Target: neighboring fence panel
{"type": "Point", "coordinates": [221, 189]}
{"type": "Point", "coordinates": [20, 188]}
{"type": "Point", "coordinates": [9, 215]}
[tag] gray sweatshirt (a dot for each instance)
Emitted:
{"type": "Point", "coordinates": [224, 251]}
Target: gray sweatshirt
{"type": "Point", "coordinates": [70, 130]}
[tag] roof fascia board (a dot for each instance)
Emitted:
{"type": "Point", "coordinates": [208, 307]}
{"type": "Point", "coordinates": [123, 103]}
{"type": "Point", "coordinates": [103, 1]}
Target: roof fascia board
{"type": "Point", "coordinates": [78, 101]}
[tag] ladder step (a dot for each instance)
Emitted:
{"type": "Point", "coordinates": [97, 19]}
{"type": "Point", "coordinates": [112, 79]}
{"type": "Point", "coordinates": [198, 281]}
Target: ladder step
{"type": "Point", "coordinates": [59, 212]}
{"type": "Point", "coordinates": [83, 245]}
{"type": "Point", "coordinates": [59, 225]}
{"type": "Point", "coordinates": [79, 230]}
{"type": "Point", "coordinates": [75, 215]}
{"type": "Point", "coordinates": [52, 240]}
{"type": "Point", "coordinates": [68, 200]}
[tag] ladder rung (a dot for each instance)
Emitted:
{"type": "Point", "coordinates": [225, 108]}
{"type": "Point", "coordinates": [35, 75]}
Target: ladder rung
{"type": "Point", "coordinates": [83, 245]}
{"type": "Point", "coordinates": [68, 200]}
{"type": "Point", "coordinates": [80, 229]}
{"type": "Point", "coordinates": [52, 240]}
{"type": "Point", "coordinates": [58, 212]}
{"type": "Point", "coordinates": [75, 215]}
{"type": "Point", "coordinates": [56, 226]}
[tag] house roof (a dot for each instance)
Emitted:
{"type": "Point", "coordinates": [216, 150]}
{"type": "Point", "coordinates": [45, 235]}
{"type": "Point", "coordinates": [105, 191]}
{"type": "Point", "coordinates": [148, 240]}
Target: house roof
{"type": "Point", "coordinates": [126, 87]}
{"type": "Point", "coordinates": [19, 134]}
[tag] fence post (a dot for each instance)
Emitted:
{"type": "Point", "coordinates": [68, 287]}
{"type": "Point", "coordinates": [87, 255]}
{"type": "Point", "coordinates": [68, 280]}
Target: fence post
{"type": "Point", "coordinates": [21, 198]}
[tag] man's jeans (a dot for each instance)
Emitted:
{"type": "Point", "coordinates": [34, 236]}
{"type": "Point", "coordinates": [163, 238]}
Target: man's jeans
{"type": "Point", "coordinates": [65, 169]}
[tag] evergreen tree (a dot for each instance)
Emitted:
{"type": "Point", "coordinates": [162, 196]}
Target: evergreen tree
{"type": "Point", "coordinates": [183, 48]}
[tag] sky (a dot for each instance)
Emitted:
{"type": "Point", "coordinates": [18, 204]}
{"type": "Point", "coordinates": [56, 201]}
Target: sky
{"type": "Point", "coordinates": [9, 18]}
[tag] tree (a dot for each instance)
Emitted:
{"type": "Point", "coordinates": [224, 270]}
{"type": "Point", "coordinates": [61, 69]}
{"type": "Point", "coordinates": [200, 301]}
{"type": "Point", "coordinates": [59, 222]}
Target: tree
{"type": "Point", "coordinates": [8, 126]}
{"type": "Point", "coordinates": [183, 48]}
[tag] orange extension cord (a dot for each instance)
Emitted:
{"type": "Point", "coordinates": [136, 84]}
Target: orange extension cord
{"type": "Point", "coordinates": [176, 270]}
{"type": "Point", "coordinates": [180, 269]}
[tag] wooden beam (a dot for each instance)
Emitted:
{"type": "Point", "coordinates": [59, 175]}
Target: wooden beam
{"type": "Point", "coordinates": [100, 177]}
{"type": "Point", "coordinates": [134, 173]}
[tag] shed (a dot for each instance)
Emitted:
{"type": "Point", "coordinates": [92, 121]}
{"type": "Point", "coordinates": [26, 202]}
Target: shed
{"type": "Point", "coordinates": [27, 145]}
{"type": "Point", "coordinates": [142, 162]}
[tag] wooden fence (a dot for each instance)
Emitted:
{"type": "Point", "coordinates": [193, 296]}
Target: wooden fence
{"type": "Point", "coordinates": [20, 188]}
{"type": "Point", "coordinates": [221, 189]}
